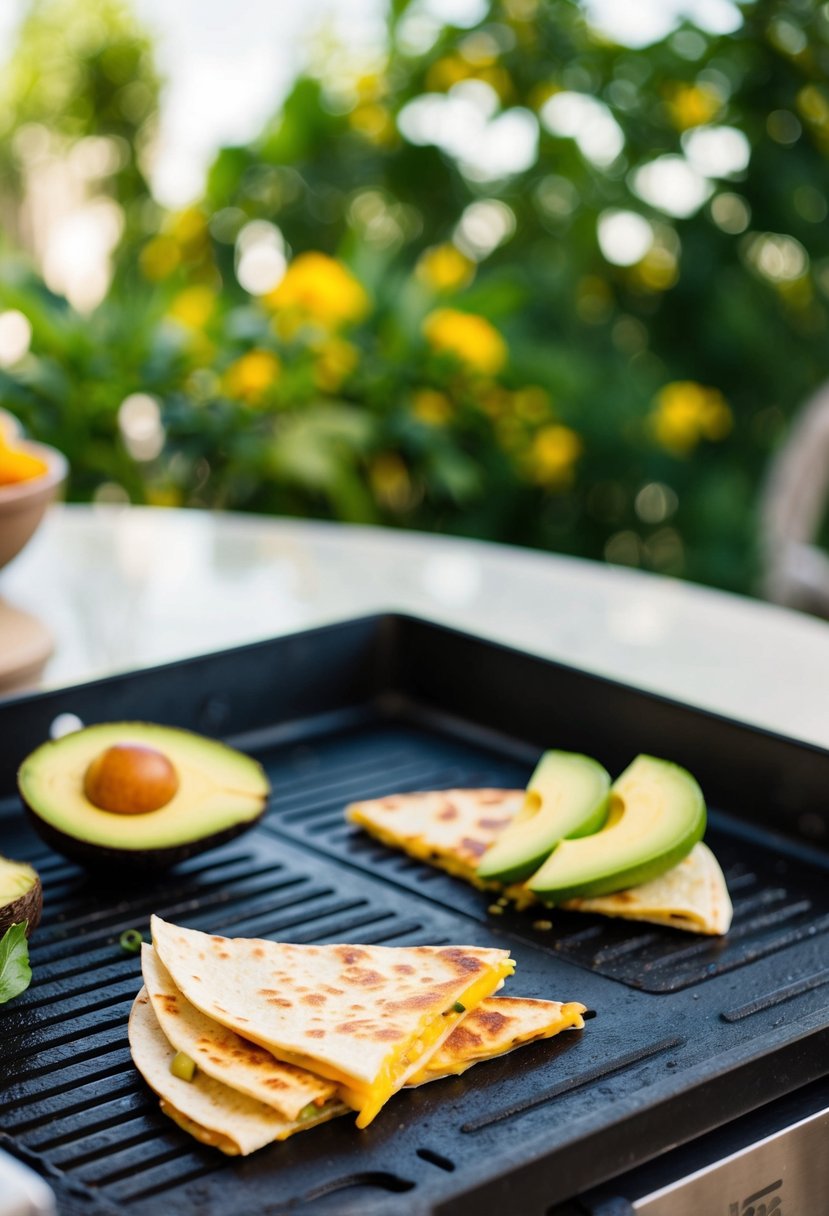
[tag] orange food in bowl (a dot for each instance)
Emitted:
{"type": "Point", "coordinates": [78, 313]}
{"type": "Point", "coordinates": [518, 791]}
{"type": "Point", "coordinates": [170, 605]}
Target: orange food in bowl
{"type": "Point", "coordinates": [17, 465]}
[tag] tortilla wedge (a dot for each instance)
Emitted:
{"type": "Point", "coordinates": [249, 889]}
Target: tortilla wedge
{"type": "Point", "coordinates": [692, 896]}
{"type": "Point", "coordinates": [496, 1027]}
{"type": "Point", "coordinates": [218, 1115]}
{"type": "Point", "coordinates": [452, 829]}
{"type": "Point", "coordinates": [364, 1017]}
{"type": "Point", "coordinates": [208, 1110]}
{"type": "Point", "coordinates": [224, 1055]}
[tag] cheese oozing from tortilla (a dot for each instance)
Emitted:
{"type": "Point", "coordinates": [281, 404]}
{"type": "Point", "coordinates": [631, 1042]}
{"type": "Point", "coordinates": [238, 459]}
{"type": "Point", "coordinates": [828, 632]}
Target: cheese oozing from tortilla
{"type": "Point", "coordinates": [496, 1027]}
{"type": "Point", "coordinates": [219, 1116]}
{"type": "Point", "coordinates": [361, 1016]}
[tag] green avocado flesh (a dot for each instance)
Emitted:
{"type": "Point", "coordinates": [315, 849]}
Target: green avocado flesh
{"type": "Point", "coordinates": [657, 816]}
{"type": "Point", "coordinates": [21, 895]}
{"type": "Point", "coordinates": [220, 791]}
{"type": "Point", "coordinates": [568, 795]}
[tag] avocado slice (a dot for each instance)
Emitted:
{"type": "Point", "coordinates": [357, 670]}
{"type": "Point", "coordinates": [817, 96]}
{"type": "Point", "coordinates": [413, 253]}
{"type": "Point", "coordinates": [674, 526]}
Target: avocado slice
{"type": "Point", "coordinates": [657, 815]}
{"type": "Point", "coordinates": [21, 895]}
{"type": "Point", "coordinates": [159, 794]}
{"type": "Point", "coordinates": [568, 795]}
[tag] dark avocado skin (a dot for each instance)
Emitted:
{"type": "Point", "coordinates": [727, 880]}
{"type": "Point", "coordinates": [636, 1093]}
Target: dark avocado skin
{"type": "Point", "coordinates": [98, 857]}
{"type": "Point", "coordinates": [26, 907]}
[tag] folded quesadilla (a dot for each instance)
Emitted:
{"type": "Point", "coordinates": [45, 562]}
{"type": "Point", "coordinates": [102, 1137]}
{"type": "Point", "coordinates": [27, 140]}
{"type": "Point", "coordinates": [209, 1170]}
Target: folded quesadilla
{"type": "Point", "coordinates": [453, 829]}
{"type": "Point", "coordinates": [364, 1017]}
{"type": "Point", "coordinates": [220, 1116]}
{"type": "Point", "coordinates": [212, 1112]}
{"type": "Point", "coordinates": [224, 1055]}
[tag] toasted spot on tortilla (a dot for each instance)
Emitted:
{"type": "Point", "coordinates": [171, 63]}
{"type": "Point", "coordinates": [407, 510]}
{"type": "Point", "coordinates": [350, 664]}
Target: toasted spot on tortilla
{"type": "Point", "coordinates": [448, 813]}
{"type": "Point", "coordinates": [464, 1038]}
{"type": "Point", "coordinates": [220, 940]}
{"type": "Point", "coordinates": [315, 1034]}
{"type": "Point", "coordinates": [464, 964]}
{"type": "Point", "coordinates": [389, 804]}
{"type": "Point", "coordinates": [350, 954]}
{"type": "Point", "coordinates": [493, 1020]}
{"type": "Point", "coordinates": [364, 977]}
{"type": "Point", "coordinates": [359, 1026]}
{"type": "Point", "coordinates": [493, 825]}
{"type": "Point", "coordinates": [258, 952]}
{"type": "Point", "coordinates": [274, 1083]}
{"type": "Point", "coordinates": [332, 991]}
{"type": "Point", "coordinates": [476, 847]}
{"type": "Point", "coordinates": [403, 969]}
{"type": "Point", "coordinates": [388, 1034]}
{"type": "Point", "coordinates": [313, 998]}
{"type": "Point", "coordinates": [280, 1002]}
{"type": "Point", "coordinates": [419, 1000]}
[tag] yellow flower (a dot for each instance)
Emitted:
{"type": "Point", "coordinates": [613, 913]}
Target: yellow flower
{"type": "Point", "coordinates": [687, 412]}
{"type": "Point", "coordinates": [374, 122]}
{"type": "Point", "coordinates": [390, 481]}
{"type": "Point", "coordinates": [445, 72]}
{"type": "Point", "coordinates": [531, 403]}
{"type": "Point", "coordinates": [193, 307]}
{"type": "Point", "coordinates": [318, 288]}
{"type": "Point", "coordinates": [692, 105]}
{"type": "Point", "coordinates": [553, 453]}
{"type": "Point", "coordinates": [657, 271]}
{"type": "Point", "coordinates": [164, 496]}
{"type": "Point", "coordinates": [252, 376]}
{"type": "Point", "coordinates": [159, 258]}
{"type": "Point", "coordinates": [431, 407]}
{"type": "Point", "coordinates": [444, 268]}
{"type": "Point", "coordinates": [336, 360]}
{"type": "Point", "coordinates": [470, 338]}
{"type": "Point", "coordinates": [189, 227]}
{"type": "Point", "coordinates": [813, 105]}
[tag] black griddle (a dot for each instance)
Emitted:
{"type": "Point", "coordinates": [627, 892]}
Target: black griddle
{"type": "Point", "coordinates": [690, 1033]}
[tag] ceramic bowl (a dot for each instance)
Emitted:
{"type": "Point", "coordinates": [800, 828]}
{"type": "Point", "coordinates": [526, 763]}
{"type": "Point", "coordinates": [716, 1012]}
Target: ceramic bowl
{"type": "Point", "coordinates": [23, 504]}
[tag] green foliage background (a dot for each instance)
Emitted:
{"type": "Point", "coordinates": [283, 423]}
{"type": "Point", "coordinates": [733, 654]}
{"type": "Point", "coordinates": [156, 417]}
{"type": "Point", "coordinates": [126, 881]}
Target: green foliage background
{"type": "Point", "coordinates": [570, 445]}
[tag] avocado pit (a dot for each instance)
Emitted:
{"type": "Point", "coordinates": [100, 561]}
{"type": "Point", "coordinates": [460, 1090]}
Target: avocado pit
{"type": "Point", "coordinates": [130, 779]}
{"type": "Point", "coordinates": [138, 796]}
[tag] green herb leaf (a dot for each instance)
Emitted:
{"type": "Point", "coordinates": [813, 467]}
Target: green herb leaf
{"type": "Point", "coordinates": [459, 1008]}
{"type": "Point", "coordinates": [15, 972]}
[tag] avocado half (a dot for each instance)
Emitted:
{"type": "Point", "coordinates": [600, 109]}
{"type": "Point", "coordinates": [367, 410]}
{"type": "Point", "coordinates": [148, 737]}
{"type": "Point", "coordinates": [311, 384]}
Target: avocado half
{"type": "Point", "coordinates": [657, 815]}
{"type": "Point", "coordinates": [220, 794]}
{"type": "Point", "coordinates": [21, 895]}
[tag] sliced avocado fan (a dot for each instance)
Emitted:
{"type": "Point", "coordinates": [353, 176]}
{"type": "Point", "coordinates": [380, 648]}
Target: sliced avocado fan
{"type": "Point", "coordinates": [657, 816]}
{"type": "Point", "coordinates": [567, 796]}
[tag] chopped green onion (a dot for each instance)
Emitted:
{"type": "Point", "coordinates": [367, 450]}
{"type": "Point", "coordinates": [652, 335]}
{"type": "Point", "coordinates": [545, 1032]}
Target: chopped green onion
{"type": "Point", "coordinates": [182, 1066]}
{"type": "Point", "coordinates": [308, 1112]}
{"type": "Point", "coordinates": [458, 1007]}
{"type": "Point", "coordinates": [130, 941]}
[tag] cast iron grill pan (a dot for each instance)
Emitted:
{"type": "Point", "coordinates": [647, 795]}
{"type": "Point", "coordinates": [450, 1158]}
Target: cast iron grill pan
{"type": "Point", "coordinates": [689, 1032]}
